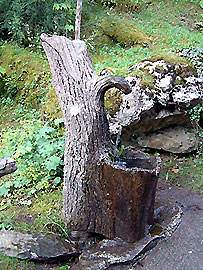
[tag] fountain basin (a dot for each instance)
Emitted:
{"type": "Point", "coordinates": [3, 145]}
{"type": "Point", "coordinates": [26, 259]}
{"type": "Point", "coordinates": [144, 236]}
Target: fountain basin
{"type": "Point", "coordinates": [129, 186]}
{"type": "Point", "coordinates": [135, 163]}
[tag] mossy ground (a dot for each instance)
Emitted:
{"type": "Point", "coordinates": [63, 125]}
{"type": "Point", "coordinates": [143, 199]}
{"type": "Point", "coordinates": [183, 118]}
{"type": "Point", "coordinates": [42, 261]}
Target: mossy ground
{"type": "Point", "coordinates": [44, 214]}
{"type": "Point", "coordinates": [27, 72]}
{"type": "Point", "coordinates": [28, 82]}
{"type": "Point", "coordinates": [124, 32]}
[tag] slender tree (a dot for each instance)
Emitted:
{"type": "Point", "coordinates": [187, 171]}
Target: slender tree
{"type": "Point", "coordinates": [78, 19]}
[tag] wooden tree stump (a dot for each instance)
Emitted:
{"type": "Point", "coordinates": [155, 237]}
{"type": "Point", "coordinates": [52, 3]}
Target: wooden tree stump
{"type": "Point", "coordinates": [88, 201]}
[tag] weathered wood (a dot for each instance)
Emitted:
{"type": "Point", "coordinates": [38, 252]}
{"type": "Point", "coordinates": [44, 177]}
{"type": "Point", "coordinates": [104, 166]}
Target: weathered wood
{"type": "Point", "coordinates": [88, 145]}
{"type": "Point", "coordinates": [129, 197]}
{"type": "Point", "coordinates": [7, 166]}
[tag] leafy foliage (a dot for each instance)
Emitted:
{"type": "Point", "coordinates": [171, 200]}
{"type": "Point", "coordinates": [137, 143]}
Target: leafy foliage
{"type": "Point", "coordinates": [64, 267]}
{"type": "Point", "coordinates": [23, 21]}
{"type": "Point", "coordinates": [69, 12]}
{"type": "Point", "coordinates": [38, 149]}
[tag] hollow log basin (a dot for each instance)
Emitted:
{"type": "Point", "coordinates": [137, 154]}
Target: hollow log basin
{"type": "Point", "coordinates": [129, 186]}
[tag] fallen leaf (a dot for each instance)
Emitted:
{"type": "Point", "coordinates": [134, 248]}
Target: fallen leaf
{"type": "Point", "coordinates": [175, 170]}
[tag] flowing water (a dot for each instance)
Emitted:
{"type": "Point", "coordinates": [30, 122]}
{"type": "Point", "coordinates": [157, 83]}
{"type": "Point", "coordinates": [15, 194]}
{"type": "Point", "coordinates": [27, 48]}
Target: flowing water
{"type": "Point", "coordinates": [122, 109]}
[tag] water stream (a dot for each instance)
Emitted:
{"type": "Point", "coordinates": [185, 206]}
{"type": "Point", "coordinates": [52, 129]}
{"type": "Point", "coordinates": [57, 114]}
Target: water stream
{"type": "Point", "coordinates": [123, 107]}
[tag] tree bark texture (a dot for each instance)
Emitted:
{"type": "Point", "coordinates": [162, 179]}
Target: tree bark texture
{"type": "Point", "coordinates": [7, 166]}
{"type": "Point", "coordinates": [88, 146]}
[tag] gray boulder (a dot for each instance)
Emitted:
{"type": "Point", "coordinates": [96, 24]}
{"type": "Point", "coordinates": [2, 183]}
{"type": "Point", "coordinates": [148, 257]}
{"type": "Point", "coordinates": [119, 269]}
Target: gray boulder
{"type": "Point", "coordinates": [117, 253]}
{"type": "Point", "coordinates": [162, 104]}
{"type": "Point", "coordinates": [175, 140]}
{"type": "Point", "coordinates": [35, 246]}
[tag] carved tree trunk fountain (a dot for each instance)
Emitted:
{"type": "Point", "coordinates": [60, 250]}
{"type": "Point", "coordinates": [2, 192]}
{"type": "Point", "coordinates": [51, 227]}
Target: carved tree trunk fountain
{"type": "Point", "coordinates": [98, 196]}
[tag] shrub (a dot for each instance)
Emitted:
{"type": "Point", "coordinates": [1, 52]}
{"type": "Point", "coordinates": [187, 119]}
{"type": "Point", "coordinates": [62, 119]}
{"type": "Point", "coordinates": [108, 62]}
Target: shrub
{"type": "Point", "coordinates": [23, 21]}
{"type": "Point", "coordinates": [38, 150]}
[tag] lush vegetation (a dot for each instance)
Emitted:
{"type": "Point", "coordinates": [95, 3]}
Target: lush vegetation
{"type": "Point", "coordinates": [23, 21]}
{"type": "Point", "coordinates": [39, 148]}
{"type": "Point", "coordinates": [31, 122]}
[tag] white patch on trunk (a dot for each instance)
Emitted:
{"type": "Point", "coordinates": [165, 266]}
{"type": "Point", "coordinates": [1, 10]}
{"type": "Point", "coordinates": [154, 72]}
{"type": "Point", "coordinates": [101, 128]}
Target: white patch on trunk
{"type": "Point", "coordinates": [74, 110]}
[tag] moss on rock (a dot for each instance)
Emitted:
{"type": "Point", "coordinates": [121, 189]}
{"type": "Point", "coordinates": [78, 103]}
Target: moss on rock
{"type": "Point", "coordinates": [123, 32]}
{"type": "Point", "coordinates": [112, 101]}
{"type": "Point", "coordinates": [147, 79]}
{"type": "Point", "coordinates": [166, 63]}
{"type": "Point", "coordinates": [172, 59]}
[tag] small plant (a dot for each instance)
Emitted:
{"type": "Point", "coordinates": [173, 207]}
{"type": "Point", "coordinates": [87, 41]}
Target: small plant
{"type": "Point", "coordinates": [196, 114]}
{"type": "Point", "coordinates": [64, 267]}
{"type": "Point", "coordinates": [120, 150]}
{"type": "Point", "coordinates": [183, 171]}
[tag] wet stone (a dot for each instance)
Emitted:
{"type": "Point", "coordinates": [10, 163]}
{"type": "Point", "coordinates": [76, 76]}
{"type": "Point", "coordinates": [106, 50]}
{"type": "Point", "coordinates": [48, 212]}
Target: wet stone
{"type": "Point", "coordinates": [36, 246]}
{"type": "Point", "coordinates": [118, 254]}
{"type": "Point", "coordinates": [110, 252]}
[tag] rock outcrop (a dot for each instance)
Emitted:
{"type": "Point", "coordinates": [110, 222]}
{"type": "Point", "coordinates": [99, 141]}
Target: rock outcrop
{"type": "Point", "coordinates": [161, 103]}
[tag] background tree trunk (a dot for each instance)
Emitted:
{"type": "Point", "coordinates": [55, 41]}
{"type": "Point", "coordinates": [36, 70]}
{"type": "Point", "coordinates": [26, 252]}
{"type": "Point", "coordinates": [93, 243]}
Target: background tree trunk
{"type": "Point", "coordinates": [88, 147]}
{"type": "Point", "coordinates": [78, 19]}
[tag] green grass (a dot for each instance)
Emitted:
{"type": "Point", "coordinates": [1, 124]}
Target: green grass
{"type": "Point", "coordinates": [44, 214]}
{"type": "Point", "coordinates": [169, 24]}
{"type": "Point", "coordinates": [185, 171]}
{"type": "Point", "coordinates": [8, 263]}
